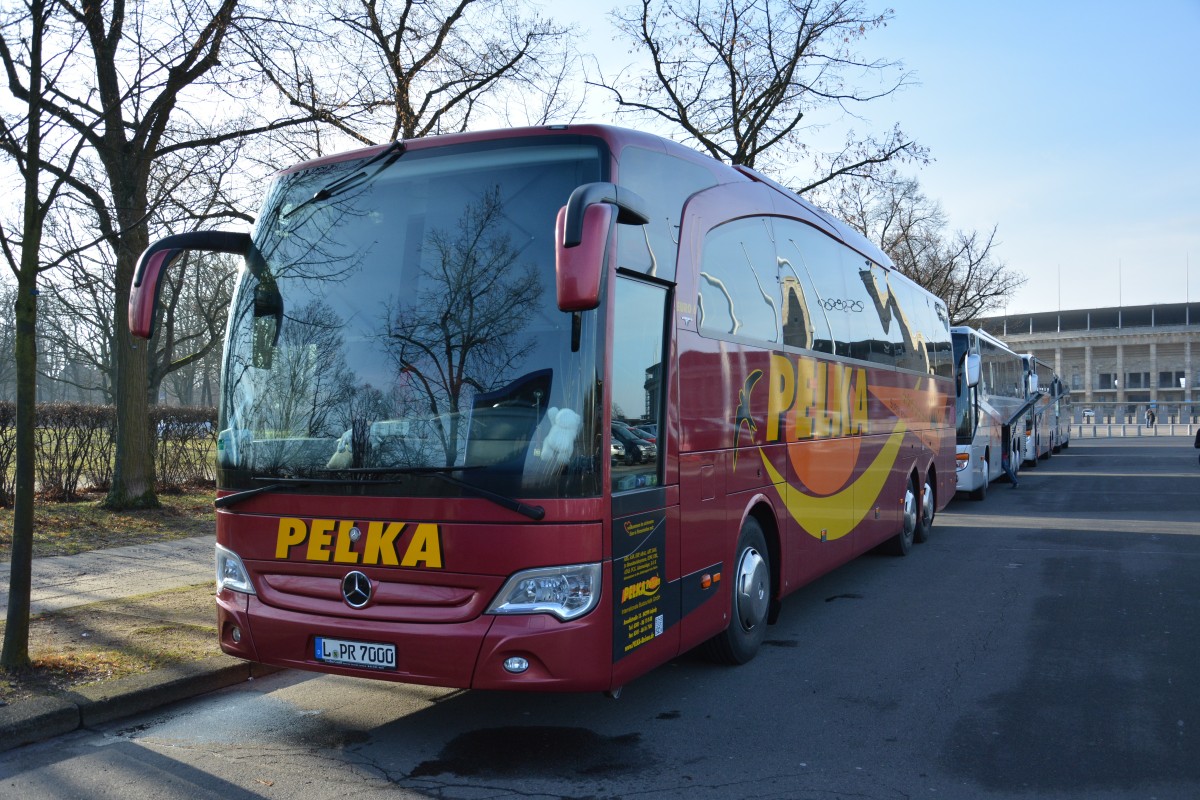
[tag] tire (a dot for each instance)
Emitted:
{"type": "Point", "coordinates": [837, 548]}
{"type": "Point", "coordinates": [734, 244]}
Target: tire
{"type": "Point", "coordinates": [901, 544]}
{"type": "Point", "coordinates": [928, 506]}
{"type": "Point", "coordinates": [981, 492]}
{"type": "Point", "coordinates": [633, 454]}
{"type": "Point", "coordinates": [750, 601]}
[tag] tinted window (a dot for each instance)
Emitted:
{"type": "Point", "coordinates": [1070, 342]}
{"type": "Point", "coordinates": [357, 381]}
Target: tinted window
{"type": "Point", "coordinates": [817, 257]}
{"type": "Point", "coordinates": [637, 391]}
{"type": "Point", "coordinates": [739, 286]}
{"type": "Point", "coordinates": [406, 320]}
{"type": "Point", "coordinates": [869, 341]}
{"type": "Point", "coordinates": [665, 183]}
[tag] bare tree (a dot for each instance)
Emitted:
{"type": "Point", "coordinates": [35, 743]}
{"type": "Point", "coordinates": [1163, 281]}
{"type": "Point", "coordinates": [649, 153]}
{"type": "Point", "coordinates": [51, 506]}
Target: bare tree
{"type": "Point", "coordinates": [193, 297]}
{"type": "Point", "coordinates": [959, 267]}
{"type": "Point", "coordinates": [31, 76]}
{"type": "Point", "coordinates": [377, 71]}
{"type": "Point", "coordinates": [744, 79]}
{"type": "Point", "coordinates": [464, 335]}
{"type": "Point", "coordinates": [132, 76]}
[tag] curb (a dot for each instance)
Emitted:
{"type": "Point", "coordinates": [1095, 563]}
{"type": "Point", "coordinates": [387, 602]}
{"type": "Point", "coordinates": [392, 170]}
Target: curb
{"type": "Point", "coordinates": [42, 718]}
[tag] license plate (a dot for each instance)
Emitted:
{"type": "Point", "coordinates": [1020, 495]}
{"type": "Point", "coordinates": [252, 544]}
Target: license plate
{"type": "Point", "coordinates": [355, 654]}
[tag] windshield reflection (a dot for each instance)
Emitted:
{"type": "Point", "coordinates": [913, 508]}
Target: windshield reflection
{"type": "Point", "coordinates": [410, 321]}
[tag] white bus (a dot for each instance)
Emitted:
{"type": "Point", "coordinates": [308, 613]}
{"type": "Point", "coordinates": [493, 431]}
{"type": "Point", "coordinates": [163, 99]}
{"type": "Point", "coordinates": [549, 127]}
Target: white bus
{"type": "Point", "coordinates": [987, 404]}
{"type": "Point", "coordinates": [1062, 414]}
{"type": "Point", "coordinates": [1040, 425]}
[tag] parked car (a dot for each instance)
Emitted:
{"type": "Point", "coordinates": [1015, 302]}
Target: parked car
{"type": "Point", "coordinates": [637, 449]}
{"type": "Point", "coordinates": [1089, 415]}
{"type": "Point", "coordinates": [618, 452]}
{"type": "Point", "coordinates": [648, 435]}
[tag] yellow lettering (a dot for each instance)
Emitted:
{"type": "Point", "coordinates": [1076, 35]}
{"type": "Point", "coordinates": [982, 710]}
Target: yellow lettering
{"type": "Point", "coordinates": [815, 399]}
{"type": "Point", "coordinates": [780, 394]}
{"type": "Point", "coordinates": [800, 421]}
{"type": "Point", "coordinates": [380, 548]}
{"type": "Point", "coordinates": [342, 554]}
{"type": "Point", "coordinates": [838, 398]}
{"type": "Point", "coordinates": [818, 410]}
{"type": "Point", "coordinates": [858, 409]}
{"type": "Point", "coordinates": [425, 546]}
{"type": "Point", "coordinates": [320, 539]}
{"type": "Point", "coordinates": [381, 543]}
{"type": "Point", "coordinates": [291, 533]}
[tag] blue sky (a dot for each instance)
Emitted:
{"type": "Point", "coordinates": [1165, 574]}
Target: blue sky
{"type": "Point", "coordinates": [1073, 127]}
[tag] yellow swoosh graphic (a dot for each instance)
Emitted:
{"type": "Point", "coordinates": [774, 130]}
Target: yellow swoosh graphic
{"type": "Point", "coordinates": [917, 405]}
{"type": "Point", "coordinates": [834, 516]}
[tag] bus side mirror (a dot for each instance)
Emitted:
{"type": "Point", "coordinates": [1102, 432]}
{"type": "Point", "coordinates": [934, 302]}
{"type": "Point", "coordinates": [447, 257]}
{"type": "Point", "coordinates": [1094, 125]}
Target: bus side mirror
{"type": "Point", "coordinates": [147, 275]}
{"type": "Point", "coordinates": [973, 369]}
{"type": "Point", "coordinates": [581, 236]}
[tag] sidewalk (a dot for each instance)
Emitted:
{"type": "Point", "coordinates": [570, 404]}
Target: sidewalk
{"type": "Point", "coordinates": [64, 581]}
{"type": "Point", "coordinates": [61, 582]}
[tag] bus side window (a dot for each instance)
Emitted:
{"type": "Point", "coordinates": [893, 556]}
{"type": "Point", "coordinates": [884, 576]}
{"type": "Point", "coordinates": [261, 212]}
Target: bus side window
{"type": "Point", "coordinates": [637, 384]}
{"type": "Point", "coordinates": [884, 339]}
{"type": "Point", "coordinates": [871, 341]}
{"type": "Point", "coordinates": [665, 182]}
{"type": "Point", "coordinates": [812, 259]}
{"type": "Point", "coordinates": [944, 363]}
{"type": "Point", "coordinates": [739, 287]}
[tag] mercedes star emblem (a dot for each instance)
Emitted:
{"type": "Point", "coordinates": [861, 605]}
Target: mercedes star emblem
{"type": "Point", "coordinates": [356, 588]}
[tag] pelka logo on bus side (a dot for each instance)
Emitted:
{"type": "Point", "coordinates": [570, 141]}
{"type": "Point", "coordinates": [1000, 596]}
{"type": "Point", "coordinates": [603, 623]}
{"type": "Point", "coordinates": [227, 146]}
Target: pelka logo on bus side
{"type": "Point", "coordinates": [646, 588]}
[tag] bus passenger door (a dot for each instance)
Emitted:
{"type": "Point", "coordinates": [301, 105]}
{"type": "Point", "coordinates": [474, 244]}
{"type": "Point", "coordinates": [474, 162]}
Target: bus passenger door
{"type": "Point", "coordinates": [645, 514]}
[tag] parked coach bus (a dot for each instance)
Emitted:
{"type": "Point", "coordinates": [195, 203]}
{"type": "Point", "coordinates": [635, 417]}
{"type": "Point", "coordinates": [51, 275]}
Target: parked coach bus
{"type": "Point", "coordinates": [990, 397]}
{"type": "Point", "coordinates": [1040, 424]}
{"type": "Point", "coordinates": [429, 348]}
{"type": "Point", "coordinates": [1063, 414]}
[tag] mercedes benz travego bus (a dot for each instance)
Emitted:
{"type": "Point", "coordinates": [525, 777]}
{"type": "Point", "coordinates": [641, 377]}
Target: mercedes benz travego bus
{"type": "Point", "coordinates": [1041, 426]}
{"type": "Point", "coordinates": [988, 405]}
{"type": "Point", "coordinates": [428, 346]}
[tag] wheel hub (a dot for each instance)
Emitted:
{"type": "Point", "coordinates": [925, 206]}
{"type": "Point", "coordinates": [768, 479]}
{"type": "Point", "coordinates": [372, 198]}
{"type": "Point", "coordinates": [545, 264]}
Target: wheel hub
{"type": "Point", "coordinates": [752, 594]}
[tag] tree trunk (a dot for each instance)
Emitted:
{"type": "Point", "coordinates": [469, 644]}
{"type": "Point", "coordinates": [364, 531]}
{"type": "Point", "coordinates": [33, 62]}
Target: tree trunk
{"type": "Point", "coordinates": [15, 655]}
{"type": "Point", "coordinates": [133, 469]}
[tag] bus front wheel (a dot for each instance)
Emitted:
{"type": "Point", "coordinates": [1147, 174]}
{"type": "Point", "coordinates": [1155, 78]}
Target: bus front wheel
{"type": "Point", "coordinates": [751, 601]}
{"type": "Point", "coordinates": [981, 492]}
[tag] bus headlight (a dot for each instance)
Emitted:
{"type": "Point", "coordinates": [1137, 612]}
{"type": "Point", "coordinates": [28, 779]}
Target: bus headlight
{"type": "Point", "coordinates": [231, 572]}
{"type": "Point", "coordinates": [565, 592]}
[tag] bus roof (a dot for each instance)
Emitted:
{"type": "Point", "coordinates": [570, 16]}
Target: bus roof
{"type": "Point", "coordinates": [982, 334]}
{"type": "Point", "coordinates": [618, 138]}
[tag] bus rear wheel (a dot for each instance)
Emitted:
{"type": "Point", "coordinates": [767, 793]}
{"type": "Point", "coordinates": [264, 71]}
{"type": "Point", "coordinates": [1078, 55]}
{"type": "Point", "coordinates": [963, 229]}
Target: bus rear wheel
{"type": "Point", "coordinates": [925, 513]}
{"type": "Point", "coordinates": [751, 601]}
{"type": "Point", "coordinates": [901, 544]}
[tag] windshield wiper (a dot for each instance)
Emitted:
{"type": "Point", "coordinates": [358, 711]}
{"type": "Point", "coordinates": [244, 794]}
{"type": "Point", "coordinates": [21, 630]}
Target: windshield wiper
{"type": "Point", "coordinates": [536, 513]}
{"type": "Point", "coordinates": [387, 155]}
{"type": "Point", "coordinates": [286, 483]}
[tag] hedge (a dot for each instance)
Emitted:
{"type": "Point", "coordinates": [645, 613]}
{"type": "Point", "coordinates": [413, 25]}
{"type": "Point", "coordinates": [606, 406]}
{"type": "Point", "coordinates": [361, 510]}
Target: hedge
{"type": "Point", "coordinates": [74, 445]}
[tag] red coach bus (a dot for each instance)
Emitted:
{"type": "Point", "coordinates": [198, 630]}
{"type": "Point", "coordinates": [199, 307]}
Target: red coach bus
{"type": "Point", "coordinates": [430, 348]}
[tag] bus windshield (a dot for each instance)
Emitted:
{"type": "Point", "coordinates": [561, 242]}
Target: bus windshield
{"type": "Point", "coordinates": [397, 323]}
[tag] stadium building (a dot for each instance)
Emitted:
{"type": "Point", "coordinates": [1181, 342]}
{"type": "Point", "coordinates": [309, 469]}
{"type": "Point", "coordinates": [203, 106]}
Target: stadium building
{"type": "Point", "coordinates": [1117, 362]}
